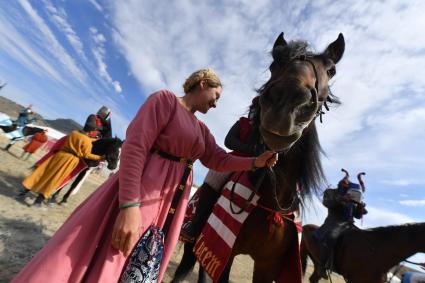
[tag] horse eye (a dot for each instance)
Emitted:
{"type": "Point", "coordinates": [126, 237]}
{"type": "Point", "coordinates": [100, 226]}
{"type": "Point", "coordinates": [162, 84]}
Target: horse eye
{"type": "Point", "coordinates": [331, 72]}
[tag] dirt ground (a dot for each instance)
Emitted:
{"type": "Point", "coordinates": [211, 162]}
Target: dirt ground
{"type": "Point", "coordinates": [24, 229]}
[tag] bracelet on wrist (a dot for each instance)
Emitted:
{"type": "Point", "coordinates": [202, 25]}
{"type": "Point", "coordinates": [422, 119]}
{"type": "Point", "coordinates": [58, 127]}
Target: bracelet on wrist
{"type": "Point", "coordinates": [129, 204]}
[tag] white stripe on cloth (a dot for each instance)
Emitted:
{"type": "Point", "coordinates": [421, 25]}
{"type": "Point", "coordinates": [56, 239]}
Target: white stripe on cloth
{"type": "Point", "coordinates": [225, 233]}
{"type": "Point", "coordinates": [225, 204]}
{"type": "Point", "coordinates": [243, 191]}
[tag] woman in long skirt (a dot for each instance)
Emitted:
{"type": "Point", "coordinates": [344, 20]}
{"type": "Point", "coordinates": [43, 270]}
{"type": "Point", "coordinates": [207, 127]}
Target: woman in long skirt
{"type": "Point", "coordinates": [93, 244]}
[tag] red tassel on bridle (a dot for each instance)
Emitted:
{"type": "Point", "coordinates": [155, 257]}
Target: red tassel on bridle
{"type": "Point", "coordinates": [275, 217]}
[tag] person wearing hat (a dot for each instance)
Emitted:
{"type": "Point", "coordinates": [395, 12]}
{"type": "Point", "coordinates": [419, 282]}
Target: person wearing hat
{"type": "Point", "coordinates": [25, 117]}
{"type": "Point", "coordinates": [243, 139]}
{"type": "Point", "coordinates": [343, 204]}
{"type": "Point", "coordinates": [99, 124]}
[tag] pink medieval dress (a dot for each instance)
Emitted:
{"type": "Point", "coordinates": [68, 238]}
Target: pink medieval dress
{"type": "Point", "coordinates": [81, 250]}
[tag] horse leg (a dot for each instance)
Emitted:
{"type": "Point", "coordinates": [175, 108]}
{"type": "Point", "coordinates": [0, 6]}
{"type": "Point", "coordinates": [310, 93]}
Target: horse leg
{"type": "Point", "coordinates": [266, 271]}
{"type": "Point", "coordinates": [8, 146]}
{"type": "Point", "coordinates": [315, 277]}
{"type": "Point", "coordinates": [225, 276]}
{"type": "Point", "coordinates": [202, 275]}
{"type": "Point", "coordinates": [54, 197]}
{"type": "Point", "coordinates": [74, 185]}
{"type": "Point", "coordinates": [186, 264]}
{"type": "Point", "coordinates": [38, 201]}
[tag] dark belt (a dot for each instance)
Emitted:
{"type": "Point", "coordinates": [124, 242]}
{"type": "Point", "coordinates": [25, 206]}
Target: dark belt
{"type": "Point", "coordinates": [179, 190]}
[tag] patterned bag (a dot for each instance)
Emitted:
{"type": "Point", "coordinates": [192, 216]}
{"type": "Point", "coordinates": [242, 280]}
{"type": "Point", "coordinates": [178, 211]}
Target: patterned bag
{"type": "Point", "coordinates": [145, 260]}
{"type": "Point", "coordinates": [143, 265]}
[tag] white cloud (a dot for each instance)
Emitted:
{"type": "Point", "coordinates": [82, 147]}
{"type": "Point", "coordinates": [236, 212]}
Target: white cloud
{"type": "Point", "coordinates": [383, 217]}
{"type": "Point", "coordinates": [99, 53]}
{"type": "Point", "coordinates": [55, 48]}
{"type": "Point", "coordinates": [96, 5]}
{"type": "Point", "coordinates": [379, 80]}
{"type": "Point", "coordinates": [59, 17]}
{"type": "Point", "coordinates": [413, 202]}
{"type": "Point", "coordinates": [403, 182]}
{"type": "Point", "coordinates": [18, 47]}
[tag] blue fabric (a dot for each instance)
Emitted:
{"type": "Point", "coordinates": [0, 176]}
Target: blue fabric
{"type": "Point", "coordinates": [406, 277]}
{"type": "Point", "coordinates": [145, 260]}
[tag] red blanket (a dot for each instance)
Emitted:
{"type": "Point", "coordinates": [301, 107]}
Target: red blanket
{"type": "Point", "coordinates": [214, 246]}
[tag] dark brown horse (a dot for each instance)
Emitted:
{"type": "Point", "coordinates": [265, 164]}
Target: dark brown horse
{"type": "Point", "coordinates": [366, 255]}
{"type": "Point", "coordinates": [290, 101]}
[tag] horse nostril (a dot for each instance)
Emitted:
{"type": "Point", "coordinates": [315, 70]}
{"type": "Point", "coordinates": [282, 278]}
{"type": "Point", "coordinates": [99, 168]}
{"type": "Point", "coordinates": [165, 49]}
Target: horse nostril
{"type": "Point", "coordinates": [313, 92]}
{"type": "Point", "coordinates": [314, 99]}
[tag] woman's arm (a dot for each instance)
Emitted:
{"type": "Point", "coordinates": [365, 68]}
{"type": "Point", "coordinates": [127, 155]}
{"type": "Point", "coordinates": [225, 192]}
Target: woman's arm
{"type": "Point", "coordinates": [218, 159]}
{"type": "Point", "coordinates": [142, 132]}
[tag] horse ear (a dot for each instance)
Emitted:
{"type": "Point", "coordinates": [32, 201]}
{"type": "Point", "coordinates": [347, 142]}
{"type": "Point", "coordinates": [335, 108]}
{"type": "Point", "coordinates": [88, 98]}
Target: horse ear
{"type": "Point", "coordinates": [335, 50]}
{"type": "Point", "coordinates": [280, 41]}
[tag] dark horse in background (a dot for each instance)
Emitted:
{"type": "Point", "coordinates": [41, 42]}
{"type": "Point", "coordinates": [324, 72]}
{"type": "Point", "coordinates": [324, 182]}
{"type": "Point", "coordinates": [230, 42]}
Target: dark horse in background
{"type": "Point", "coordinates": [366, 255]}
{"type": "Point", "coordinates": [290, 101]}
{"type": "Point", "coordinates": [107, 147]}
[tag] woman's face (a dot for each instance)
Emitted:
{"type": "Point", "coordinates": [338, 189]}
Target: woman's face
{"type": "Point", "coordinates": [208, 97]}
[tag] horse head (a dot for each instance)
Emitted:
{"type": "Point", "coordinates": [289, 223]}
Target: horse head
{"type": "Point", "coordinates": [296, 91]}
{"type": "Point", "coordinates": [110, 148]}
{"type": "Point", "coordinates": [288, 104]}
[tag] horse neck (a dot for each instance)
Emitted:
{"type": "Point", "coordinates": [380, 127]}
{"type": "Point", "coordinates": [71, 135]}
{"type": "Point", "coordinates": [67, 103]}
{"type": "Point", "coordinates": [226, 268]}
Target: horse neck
{"type": "Point", "coordinates": [100, 147]}
{"type": "Point", "coordinates": [301, 166]}
{"type": "Point", "coordinates": [396, 243]}
{"type": "Point", "coordinates": [286, 182]}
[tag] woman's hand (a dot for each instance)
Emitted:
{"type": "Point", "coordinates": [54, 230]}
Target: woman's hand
{"type": "Point", "coordinates": [126, 229]}
{"type": "Point", "coordinates": [268, 158]}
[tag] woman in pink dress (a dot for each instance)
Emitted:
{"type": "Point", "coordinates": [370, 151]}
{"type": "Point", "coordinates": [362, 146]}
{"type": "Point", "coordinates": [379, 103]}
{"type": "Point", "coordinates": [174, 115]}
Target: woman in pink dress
{"type": "Point", "coordinates": [94, 242]}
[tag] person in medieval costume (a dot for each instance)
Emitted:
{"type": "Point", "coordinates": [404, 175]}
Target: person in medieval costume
{"type": "Point", "coordinates": [45, 179]}
{"type": "Point", "coordinates": [100, 123]}
{"type": "Point", "coordinates": [37, 141]}
{"type": "Point", "coordinates": [97, 126]}
{"type": "Point", "coordinates": [344, 204]}
{"type": "Point", "coordinates": [243, 139]}
{"type": "Point", "coordinates": [25, 117]}
{"type": "Point", "coordinates": [94, 243]}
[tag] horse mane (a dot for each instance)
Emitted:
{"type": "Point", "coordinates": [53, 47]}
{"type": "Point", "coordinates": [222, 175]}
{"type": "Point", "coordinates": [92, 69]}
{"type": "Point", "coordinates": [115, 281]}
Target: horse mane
{"type": "Point", "coordinates": [307, 151]}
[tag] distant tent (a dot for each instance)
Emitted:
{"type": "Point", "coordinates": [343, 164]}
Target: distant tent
{"type": "Point", "coordinates": [52, 134]}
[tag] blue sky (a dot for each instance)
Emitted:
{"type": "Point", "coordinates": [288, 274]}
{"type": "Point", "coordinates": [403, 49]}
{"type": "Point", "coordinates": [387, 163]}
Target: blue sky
{"type": "Point", "coordinates": [68, 58]}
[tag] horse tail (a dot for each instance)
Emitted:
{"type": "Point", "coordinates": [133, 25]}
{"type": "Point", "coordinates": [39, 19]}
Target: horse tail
{"type": "Point", "coordinates": [303, 255]}
{"type": "Point", "coordinates": [186, 264]}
